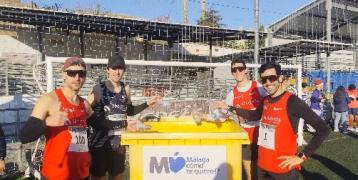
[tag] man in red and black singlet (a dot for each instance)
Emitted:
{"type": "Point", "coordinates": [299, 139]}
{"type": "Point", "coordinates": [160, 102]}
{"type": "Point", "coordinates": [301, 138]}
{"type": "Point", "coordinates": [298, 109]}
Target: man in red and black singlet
{"type": "Point", "coordinates": [61, 115]}
{"type": "Point", "coordinates": [280, 113]}
{"type": "Point", "coordinates": [247, 95]}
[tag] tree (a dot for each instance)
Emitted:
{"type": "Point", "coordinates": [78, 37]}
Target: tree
{"type": "Point", "coordinates": [55, 7]}
{"type": "Point", "coordinates": [251, 42]}
{"type": "Point", "coordinates": [212, 18]}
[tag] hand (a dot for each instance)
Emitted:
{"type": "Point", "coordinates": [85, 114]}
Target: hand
{"type": "Point", "coordinates": [220, 105]}
{"type": "Point", "coordinates": [133, 125]}
{"type": "Point", "coordinates": [2, 166]}
{"type": "Point", "coordinates": [240, 119]}
{"type": "Point", "coordinates": [154, 100]}
{"type": "Point", "coordinates": [57, 118]}
{"type": "Point", "coordinates": [289, 161]}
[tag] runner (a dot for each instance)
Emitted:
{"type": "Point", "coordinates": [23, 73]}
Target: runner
{"type": "Point", "coordinates": [111, 102]}
{"type": "Point", "coordinates": [62, 116]}
{"type": "Point", "coordinates": [277, 155]}
{"type": "Point", "coordinates": [248, 95]}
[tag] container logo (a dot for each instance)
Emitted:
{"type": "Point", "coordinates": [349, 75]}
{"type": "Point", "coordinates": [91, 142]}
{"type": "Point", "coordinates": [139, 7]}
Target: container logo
{"type": "Point", "coordinates": [175, 164]}
{"type": "Point", "coordinates": [184, 162]}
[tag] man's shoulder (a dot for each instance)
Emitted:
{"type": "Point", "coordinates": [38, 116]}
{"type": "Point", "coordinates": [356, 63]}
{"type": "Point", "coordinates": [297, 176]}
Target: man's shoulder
{"type": "Point", "coordinates": [98, 85]}
{"type": "Point", "coordinates": [49, 96]}
{"type": "Point", "coordinates": [294, 97]}
{"type": "Point", "coordinates": [46, 100]}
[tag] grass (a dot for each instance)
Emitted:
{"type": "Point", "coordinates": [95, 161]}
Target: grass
{"type": "Point", "coordinates": [337, 158]}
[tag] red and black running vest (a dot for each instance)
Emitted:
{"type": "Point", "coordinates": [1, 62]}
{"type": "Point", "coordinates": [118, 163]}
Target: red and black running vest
{"type": "Point", "coordinates": [249, 100]}
{"type": "Point", "coordinates": [58, 162]}
{"type": "Point", "coordinates": [276, 136]}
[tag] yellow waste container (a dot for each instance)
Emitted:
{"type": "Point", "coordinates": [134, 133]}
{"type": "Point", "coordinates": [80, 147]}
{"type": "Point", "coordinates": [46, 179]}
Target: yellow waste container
{"type": "Point", "coordinates": [180, 149]}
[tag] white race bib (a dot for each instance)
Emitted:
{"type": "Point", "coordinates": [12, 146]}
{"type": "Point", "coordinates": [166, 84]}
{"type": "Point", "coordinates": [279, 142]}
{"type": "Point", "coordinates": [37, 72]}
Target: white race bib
{"type": "Point", "coordinates": [79, 141]}
{"type": "Point", "coordinates": [267, 136]}
{"type": "Point", "coordinates": [117, 117]}
{"type": "Point", "coordinates": [116, 132]}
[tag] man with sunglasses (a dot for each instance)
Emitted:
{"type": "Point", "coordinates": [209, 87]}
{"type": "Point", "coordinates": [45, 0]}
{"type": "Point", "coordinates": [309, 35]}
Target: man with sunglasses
{"type": "Point", "coordinates": [248, 95]}
{"type": "Point", "coordinates": [280, 113]}
{"type": "Point", "coordinates": [63, 117]}
{"type": "Point", "coordinates": [111, 102]}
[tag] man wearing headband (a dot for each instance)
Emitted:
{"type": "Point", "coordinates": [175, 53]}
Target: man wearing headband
{"type": "Point", "coordinates": [63, 116]}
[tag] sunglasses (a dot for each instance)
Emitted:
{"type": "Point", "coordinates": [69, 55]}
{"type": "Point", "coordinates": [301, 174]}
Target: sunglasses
{"type": "Point", "coordinates": [272, 78]}
{"type": "Point", "coordinates": [73, 73]}
{"type": "Point", "coordinates": [235, 69]}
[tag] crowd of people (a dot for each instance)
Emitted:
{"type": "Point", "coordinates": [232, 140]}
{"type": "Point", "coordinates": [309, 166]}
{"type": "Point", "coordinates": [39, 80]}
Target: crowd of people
{"type": "Point", "coordinates": [340, 112]}
{"type": "Point", "coordinates": [83, 135]}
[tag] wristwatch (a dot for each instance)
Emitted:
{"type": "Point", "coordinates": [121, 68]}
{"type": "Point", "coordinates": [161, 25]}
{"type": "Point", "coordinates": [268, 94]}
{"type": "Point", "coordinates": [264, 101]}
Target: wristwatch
{"type": "Point", "coordinates": [231, 109]}
{"type": "Point", "coordinates": [302, 155]}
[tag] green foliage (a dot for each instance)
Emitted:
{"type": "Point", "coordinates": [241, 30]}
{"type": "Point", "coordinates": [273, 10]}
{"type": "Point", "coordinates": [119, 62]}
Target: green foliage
{"type": "Point", "coordinates": [212, 18]}
{"type": "Point", "coordinates": [250, 44]}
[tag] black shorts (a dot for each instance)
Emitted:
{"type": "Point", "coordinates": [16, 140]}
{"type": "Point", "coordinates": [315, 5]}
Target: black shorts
{"type": "Point", "coordinates": [294, 174]}
{"type": "Point", "coordinates": [106, 160]}
{"type": "Point", "coordinates": [249, 152]}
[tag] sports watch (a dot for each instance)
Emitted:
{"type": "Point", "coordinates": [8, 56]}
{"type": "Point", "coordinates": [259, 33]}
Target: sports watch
{"type": "Point", "coordinates": [302, 155]}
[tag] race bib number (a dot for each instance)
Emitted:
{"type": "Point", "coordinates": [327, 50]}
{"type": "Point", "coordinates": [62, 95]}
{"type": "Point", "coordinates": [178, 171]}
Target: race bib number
{"type": "Point", "coordinates": [267, 136]}
{"type": "Point", "coordinates": [79, 141]}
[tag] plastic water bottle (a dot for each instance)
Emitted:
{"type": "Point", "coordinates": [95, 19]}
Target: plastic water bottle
{"type": "Point", "coordinates": [143, 127]}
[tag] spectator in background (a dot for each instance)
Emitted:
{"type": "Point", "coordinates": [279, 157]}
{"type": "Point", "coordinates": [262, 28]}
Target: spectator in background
{"type": "Point", "coordinates": [316, 97]}
{"type": "Point", "coordinates": [2, 150]}
{"type": "Point", "coordinates": [305, 93]}
{"type": "Point", "coordinates": [316, 100]}
{"type": "Point", "coordinates": [353, 107]}
{"type": "Point", "coordinates": [306, 98]}
{"type": "Point", "coordinates": [340, 103]}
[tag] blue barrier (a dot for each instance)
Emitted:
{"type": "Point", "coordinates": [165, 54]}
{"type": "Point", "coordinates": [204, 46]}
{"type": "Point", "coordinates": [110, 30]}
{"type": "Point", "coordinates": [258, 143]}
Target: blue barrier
{"type": "Point", "coordinates": [338, 78]}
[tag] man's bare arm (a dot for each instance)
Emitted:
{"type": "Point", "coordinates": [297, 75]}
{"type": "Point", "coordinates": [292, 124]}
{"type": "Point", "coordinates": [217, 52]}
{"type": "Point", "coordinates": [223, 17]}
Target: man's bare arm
{"type": "Point", "coordinates": [45, 113]}
{"type": "Point", "coordinates": [35, 126]}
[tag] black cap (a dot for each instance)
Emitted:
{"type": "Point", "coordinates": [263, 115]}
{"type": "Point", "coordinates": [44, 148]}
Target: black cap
{"type": "Point", "coordinates": [116, 61]}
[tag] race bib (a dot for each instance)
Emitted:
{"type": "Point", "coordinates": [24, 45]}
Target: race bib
{"type": "Point", "coordinates": [267, 136]}
{"type": "Point", "coordinates": [117, 117]}
{"type": "Point", "coordinates": [79, 141]}
{"type": "Point", "coordinates": [116, 132]}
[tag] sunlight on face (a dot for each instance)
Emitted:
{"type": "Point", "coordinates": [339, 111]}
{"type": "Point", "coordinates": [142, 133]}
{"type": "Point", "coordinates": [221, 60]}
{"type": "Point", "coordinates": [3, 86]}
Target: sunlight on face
{"type": "Point", "coordinates": [239, 75]}
{"type": "Point", "coordinates": [270, 86]}
{"type": "Point", "coordinates": [76, 82]}
{"type": "Point", "coordinates": [115, 74]}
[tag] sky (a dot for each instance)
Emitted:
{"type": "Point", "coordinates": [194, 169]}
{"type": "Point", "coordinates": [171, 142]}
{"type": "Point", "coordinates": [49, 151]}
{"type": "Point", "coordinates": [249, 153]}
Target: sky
{"type": "Point", "coordinates": [236, 14]}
